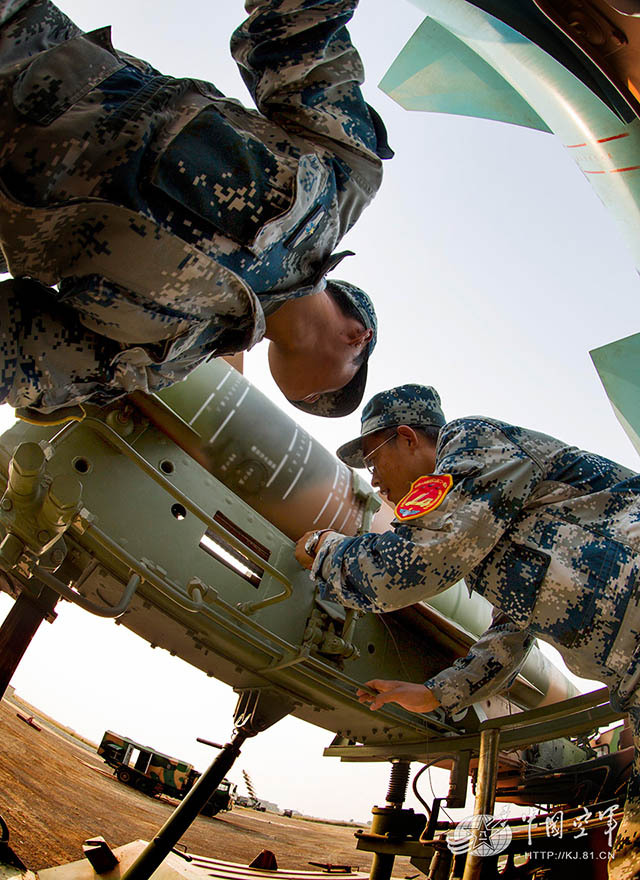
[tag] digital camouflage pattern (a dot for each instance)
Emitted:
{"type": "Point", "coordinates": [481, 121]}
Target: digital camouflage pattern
{"type": "Point", "coordinates": [416, 405]}
{"type": "Point", "coordinates": [550, 535]}
{"type": "Point", "coordinates": [167, 253]}
{"type": "Point", "coordinates": [625, 863]}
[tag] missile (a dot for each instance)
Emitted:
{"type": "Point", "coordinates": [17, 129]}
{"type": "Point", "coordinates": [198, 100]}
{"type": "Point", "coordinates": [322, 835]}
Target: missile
{"type": "Point", "coordinates": [190, 506]}
{"type": "Point", "coordinates": [298, 485]}
{"type": "Point", "coordinates": [576, 76]}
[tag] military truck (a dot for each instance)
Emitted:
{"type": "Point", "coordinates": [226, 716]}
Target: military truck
{"type": "Point", "coordinates": [154, 773]}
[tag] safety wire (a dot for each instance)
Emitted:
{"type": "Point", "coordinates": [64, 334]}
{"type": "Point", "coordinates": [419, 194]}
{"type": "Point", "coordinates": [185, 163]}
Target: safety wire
{"type": "Point", "coordinates": [430, 764]}
{"type": "Point", "coordinates": [395, 645]}
{"type": "Point", "coordinates": [433, 792]}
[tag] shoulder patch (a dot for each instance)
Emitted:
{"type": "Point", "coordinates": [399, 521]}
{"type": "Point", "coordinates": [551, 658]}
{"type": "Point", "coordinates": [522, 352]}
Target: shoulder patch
{"type": "Point", "coordinates": [425, 494]}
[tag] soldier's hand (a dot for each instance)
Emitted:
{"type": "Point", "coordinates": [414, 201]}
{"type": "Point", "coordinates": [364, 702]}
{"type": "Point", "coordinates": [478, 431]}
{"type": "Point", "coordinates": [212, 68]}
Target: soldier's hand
{"type": "Point", "coordinates": [414, 697]}
{"type": "Point", "coordinates": [301, 554]}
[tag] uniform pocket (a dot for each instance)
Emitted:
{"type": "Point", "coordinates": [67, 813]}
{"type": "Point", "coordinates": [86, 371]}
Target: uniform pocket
{"type": "Point", "coordinates": [587, 586]}
{"type": "Point", "coordinates": [225, 176]}
{"type": "Point", "coordinates": [514, 574]}
{"type": "Point", "coordinates": [611, 579]}
{"type": "Point", "coordinates": [60, 77]}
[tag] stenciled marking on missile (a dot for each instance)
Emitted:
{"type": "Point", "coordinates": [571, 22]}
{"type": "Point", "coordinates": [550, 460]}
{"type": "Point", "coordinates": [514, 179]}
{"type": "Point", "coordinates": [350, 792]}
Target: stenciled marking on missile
{"type": "Point", "coordinates": [425, 494]}
{"type": "Point", "coordinates": [613, 137]}
{"type": "Point", "coordinates": [336, 514]}
{"type": "Point", "coordinates": [255, 450]}
{"type": "Point", "coordinates": [309, 448]}
{"type": "Point", "coordinates": [323, 508]}
{"type": "Point", "coordinates": [613, 170]}
{"type": "Point", "coordinates": [344, 521]}
{"type": "Point", "coordinates": [277, 470]}
{"type": "Point", "coordinates": [628, 168]}
{"type": "Point", "coordinates": [295, 480]}
{"type": "Point", "coordinates": [283, 460]}
{"type": "Point", "coordinates": [210, 398]}
{"type": "Point", "coordinates": [329, 496]}
{"type": "Point", "coordinates": [230, 416]}
{"type": "Point", "coordinates": [203, 407]}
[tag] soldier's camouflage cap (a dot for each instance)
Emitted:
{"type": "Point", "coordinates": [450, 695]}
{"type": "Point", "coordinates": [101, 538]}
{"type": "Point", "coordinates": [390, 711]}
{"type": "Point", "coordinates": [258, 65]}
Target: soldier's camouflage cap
{"type": "Point", "coordinates": [415, 405]}
{"type": "Point", "coordinates": [345, 400]}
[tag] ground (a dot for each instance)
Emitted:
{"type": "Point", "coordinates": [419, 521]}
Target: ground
{"type": "Point", "coordinates": [54, 794]}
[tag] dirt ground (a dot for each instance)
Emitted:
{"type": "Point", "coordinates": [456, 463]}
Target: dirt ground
{"type": "Point", "coordinates": [52, 798]}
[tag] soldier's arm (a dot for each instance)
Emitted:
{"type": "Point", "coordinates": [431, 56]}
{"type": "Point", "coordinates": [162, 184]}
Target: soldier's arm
{"type": "Point", "coordinates": [304, 73]}
{"type": "Point", "coordinates": [490, 667]}
{"type": "Point", "coordinates": [8, 8]}
{"type": "Point", "coordinates": [492, 479]}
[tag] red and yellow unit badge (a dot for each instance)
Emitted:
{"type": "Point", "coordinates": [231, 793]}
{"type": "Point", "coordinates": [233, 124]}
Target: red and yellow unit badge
{"type": "Point", "coordinates": [425, 494]}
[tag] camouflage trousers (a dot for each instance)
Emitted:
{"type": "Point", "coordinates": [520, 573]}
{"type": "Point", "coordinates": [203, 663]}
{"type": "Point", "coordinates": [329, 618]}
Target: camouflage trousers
{"type": "Point", "coordinates": [625, 860]}
{"type": "Point", "coordinates": [37, 337]}
{"type": "Point", "coordinates": [117, 324]}
{"type": "Point", "coordinates": [49, 359]}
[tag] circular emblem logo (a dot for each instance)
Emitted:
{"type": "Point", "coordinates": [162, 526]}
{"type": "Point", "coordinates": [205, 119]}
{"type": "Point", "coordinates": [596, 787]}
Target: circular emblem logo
{"type": "Point", "coordinates": [425, 495]}
{"type": "Point", "coordinates": [479, 835]}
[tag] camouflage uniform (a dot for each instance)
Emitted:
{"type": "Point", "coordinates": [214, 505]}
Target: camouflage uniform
{"type": "Point", "coordinates": [549, 534]}
{"type": "Point", "coordinates": [172, 218]}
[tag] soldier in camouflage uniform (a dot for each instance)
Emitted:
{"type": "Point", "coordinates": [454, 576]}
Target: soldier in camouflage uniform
{"type": "Point", "coordinates": [549, 534]}
{"type": "Point", "coordinates": [177, 224]}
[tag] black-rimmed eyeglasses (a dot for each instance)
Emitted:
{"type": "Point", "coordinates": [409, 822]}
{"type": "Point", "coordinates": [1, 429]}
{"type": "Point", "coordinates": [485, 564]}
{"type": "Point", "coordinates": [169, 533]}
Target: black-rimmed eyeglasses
{"type": "Point", "coordinates": [370, 465]}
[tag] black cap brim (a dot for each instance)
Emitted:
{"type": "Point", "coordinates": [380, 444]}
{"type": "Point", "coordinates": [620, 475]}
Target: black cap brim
{"type": "Point", "coordinates": [352, 453]}
{"type": "Point", "coordinates": [339, 403]}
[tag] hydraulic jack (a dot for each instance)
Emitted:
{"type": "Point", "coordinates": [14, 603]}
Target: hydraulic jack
{"type": "Point", "coordinates": [257, 709]}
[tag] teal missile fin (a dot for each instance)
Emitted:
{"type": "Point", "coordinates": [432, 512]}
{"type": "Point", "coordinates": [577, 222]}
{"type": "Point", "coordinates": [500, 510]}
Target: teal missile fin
{"type": "Point", "coordinates": [618, 365]}
{"type": "Point", "coordinates": [437, 72]}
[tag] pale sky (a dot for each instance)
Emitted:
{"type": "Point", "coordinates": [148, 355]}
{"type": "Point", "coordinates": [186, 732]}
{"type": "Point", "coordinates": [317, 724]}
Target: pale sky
{"type": "Point", "coordinates": [494, 269]}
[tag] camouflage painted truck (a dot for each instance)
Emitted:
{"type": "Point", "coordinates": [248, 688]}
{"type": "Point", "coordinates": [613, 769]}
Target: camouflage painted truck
{"type": "Point", "coordinates": [154, 773]}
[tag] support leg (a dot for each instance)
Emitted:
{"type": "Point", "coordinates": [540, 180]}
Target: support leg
{"type": "Point", "coordinates": [385, 819]}
{"type": "Point", "coordinates": [257, 710]}
{"type": "Point", "coordinates": [381, 866]}
{"type": "Point", "coordinates": [183, 816]}
{"type": "Point", "coordinates": [19, 628]}
{"type": "Point", "coordinates": [485, 797]}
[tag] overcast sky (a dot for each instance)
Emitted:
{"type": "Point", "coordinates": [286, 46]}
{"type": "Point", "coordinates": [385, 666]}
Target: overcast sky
{"type": "Point", "coordinates": [494, 269]}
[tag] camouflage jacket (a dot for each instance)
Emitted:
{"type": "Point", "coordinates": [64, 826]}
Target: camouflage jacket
{"type": "Point", "coordinates": [549, 534]}
{"type": "Point", "coordinates": [172, 217]}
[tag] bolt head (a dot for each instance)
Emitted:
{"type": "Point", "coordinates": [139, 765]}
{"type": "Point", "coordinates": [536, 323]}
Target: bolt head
{"type": "Point", "coordinates": [65, 492]}
{"type": "Point", "coordinates": [6, 504]}
{"type": "Point", "coordinates": [28, 458]}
